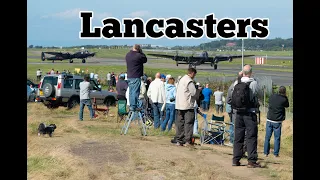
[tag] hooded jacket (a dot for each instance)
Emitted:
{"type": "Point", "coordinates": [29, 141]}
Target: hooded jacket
{"type": "Point", "coordinates": [170, 93]}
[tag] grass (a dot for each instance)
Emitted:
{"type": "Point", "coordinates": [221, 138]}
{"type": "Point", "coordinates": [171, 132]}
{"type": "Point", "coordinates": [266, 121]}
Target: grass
{"type": "Point", "coordinates": [96, 150]}
{"type": "Point", "coordinates": [103, 70]}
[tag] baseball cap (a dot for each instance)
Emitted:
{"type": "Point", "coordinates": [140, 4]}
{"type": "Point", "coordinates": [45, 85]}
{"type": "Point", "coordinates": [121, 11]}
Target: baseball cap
{"type": "Point", "coordinates": [162, 76]}
{"type": "Point", "coordinates": [198, 84]}
{"type": "Point", "coordinates": [168, 76]}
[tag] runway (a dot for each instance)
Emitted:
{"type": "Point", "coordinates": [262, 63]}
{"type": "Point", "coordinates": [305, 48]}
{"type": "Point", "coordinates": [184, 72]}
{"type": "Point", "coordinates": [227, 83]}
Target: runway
{"type": "Point", "coordinates": [278, 77]}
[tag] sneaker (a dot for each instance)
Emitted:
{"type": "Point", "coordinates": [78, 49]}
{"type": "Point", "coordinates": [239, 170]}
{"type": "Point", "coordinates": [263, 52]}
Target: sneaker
{"type": "Point", "coordinates": [253, 165]}
{"type": "Point", "coordinates": [276, 156]}
{"type": "Point", "coordinates": [266, 155]}
{"type": "Point", "coordinates": [179, 144]}
{"type": "Point", "coordinates": [236, 164]}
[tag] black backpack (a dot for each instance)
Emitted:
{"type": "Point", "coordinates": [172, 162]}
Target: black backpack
{"type": "Point", "coordinates": [240, 99]}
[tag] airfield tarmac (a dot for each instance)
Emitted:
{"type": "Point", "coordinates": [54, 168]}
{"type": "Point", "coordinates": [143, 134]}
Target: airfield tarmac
{"type": "Point", "coordinates": [278, 77]}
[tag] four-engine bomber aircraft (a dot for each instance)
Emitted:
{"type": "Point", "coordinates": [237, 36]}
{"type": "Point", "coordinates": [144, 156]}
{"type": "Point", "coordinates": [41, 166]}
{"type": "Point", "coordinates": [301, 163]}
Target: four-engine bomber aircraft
{"type": "Point", "coordinates": [198, 60]}
{"type": "Point", "coordinates": [67, 56]}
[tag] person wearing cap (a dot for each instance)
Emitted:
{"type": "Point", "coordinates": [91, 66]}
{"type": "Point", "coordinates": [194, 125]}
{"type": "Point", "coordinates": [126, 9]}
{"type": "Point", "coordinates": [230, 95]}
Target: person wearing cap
{"type": "Point", "coordinates": [121, 87]}
{"type": "Point", "coordinates": [166, 80]}
{"type": "Point", "coordinates": [163, 77]}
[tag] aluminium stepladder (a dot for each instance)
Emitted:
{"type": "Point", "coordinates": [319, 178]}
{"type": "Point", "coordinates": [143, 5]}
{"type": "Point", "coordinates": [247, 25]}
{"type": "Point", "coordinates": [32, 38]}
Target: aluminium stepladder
{"type": "Point", "coordinates": [131, 116]}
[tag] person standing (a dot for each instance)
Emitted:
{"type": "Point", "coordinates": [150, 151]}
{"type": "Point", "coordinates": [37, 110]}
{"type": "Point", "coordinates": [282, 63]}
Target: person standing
{"type": "Point", "coordinates": [108, 78]}
{"type": "Point", "coordinates": [156, 93]}
{"type": "Point", "coordinates": [121, 88]}
{"type": "Point", "coordinates": [39, 74]}
{"type": "Point", "coordinates": [207, 93]}
{"type": "Point", "coordinates": [218, 96]}
{"type": "Point", "coordinates": [199, 98]}
{"type": "Point", "coordinates": [275, 116]}
{"type": "Point", "coordinates": [170, 105]}
{"type": "Point", "coordinates": [245, 101]}
{"type": "Point", "coordinates": [135, 59]}
{"type": "Point", "coordinates": [85, 88]}
{"type": "Point", "coordinates": [185, 100]}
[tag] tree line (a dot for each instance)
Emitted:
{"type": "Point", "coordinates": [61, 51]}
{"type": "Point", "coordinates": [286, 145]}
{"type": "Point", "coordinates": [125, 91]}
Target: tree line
{"type": "Point", "coordinates": [277, 44]}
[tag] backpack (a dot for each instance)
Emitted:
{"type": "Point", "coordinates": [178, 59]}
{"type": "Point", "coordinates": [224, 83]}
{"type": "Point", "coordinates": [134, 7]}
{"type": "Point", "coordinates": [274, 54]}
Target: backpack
{"type": "Point", "coordinates": [240, 98]}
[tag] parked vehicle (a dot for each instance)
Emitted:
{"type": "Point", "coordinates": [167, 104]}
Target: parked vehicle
{"type": "Point", "coordinates": [63, 90]}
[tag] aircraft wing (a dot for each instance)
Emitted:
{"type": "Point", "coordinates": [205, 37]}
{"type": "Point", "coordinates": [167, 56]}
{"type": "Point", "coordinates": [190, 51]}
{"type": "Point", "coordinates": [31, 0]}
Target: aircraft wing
{"type": "Point", "coordinates": [163, 55]}
{"type": "Point", "coordinates": [53, 53]}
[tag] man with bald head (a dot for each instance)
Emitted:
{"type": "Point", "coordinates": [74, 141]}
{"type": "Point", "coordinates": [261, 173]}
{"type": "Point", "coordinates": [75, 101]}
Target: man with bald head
{"type": "Point", "coordinates": [156, 93]}
{"type": "Point", "coordinates": [246, 122]}
{"type": "Point", "coordinates": [135, 60]}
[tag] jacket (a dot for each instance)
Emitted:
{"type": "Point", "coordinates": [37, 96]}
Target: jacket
{"type": "Point", "coordinates": [277, 105]}
{"type": "Point", "coordinates": [170, 93]}
{"type": "Point", "coordinates": [186, 91]}
{"type": "Point", "coordinates": [135, 61]}
{"type": "Point", "coordinates": [156, 91]}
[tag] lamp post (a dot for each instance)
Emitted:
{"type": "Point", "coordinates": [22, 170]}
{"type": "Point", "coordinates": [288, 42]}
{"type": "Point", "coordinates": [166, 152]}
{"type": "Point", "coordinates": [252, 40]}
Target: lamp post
{"type": "Point", "coordinates": [242, 54]}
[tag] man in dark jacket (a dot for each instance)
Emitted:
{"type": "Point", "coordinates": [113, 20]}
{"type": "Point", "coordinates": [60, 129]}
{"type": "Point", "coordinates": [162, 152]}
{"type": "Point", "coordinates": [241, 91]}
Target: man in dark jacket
{"type": "Point", "coordinates": [121, 87]}
{"type": "Point", "coordinates": [276, 114]}
{"type": "Point", "coordinates": [135, 60]}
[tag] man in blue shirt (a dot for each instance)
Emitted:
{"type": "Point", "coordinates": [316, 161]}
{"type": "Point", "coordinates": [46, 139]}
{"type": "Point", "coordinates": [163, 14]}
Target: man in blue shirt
{"type": "Point", "coordinates": [207, 93]}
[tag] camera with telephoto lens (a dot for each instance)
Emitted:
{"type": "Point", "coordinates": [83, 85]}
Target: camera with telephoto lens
{"type": "Point", "coordinates": [172, 99]}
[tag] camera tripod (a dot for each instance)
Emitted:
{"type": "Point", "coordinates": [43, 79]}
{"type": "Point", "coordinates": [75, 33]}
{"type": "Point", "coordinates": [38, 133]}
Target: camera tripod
{"type": "Point", "coordinates": [131, 116]}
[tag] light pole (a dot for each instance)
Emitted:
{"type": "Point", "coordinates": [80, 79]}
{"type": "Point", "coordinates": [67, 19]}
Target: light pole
{"type": "Point", "coordinates": [242, 54]}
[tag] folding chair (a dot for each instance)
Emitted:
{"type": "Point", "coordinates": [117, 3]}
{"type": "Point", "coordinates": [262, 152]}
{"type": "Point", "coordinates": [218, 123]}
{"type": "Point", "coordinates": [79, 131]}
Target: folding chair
{"type": "Point", "coordinates": [122, 110]}
{"type": "Point", "coordinates": [216, 131]}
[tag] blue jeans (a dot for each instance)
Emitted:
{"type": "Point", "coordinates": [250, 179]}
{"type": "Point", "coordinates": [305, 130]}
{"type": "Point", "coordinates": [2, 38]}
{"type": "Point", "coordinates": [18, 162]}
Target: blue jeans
{"type": "Point", "coordinates": [219, 107]}
{"type": "Point", "coordinates": [231, 130]}
{"type": "Point", "coordinates": [270, 128]}
{"type": "Point", "coordinates": [170, 117]}
{"type": "Point", "coordinates": [84, 102]}
{"type": "Point", "coordinates": [195, 125]}
{"type": "Point", "coordinates": [205, 105]}
{"type": "Point", "coordinates": [157, 114]}
{"type": "Point", "coordinates": [134, 91]}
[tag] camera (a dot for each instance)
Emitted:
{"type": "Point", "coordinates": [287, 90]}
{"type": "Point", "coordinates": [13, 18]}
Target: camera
{"type": "Point", "coordinates": [172, 99]}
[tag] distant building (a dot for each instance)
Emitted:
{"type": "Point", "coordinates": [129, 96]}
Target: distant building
{"type": "Point", "coordinates": [230, 44]}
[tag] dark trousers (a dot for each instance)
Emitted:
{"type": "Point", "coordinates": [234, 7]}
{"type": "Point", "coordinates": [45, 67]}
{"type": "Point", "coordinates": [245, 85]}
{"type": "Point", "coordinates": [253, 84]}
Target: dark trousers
{"type": "Point", "coordinates": [245, 123]}
{"type": "Point", "coordinates": [184, 125]}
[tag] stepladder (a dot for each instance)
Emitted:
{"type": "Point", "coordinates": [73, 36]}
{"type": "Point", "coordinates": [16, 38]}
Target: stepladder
{"type": "Point", "coordinates": [132, 116]}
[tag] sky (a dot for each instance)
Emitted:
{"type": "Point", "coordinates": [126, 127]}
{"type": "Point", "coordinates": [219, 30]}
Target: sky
{"type": "Point", "coordinates": [57, 23]}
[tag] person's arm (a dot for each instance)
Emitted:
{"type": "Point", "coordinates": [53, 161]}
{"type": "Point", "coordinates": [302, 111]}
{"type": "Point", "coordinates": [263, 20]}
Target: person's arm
{"type": "Point", "coordinates": [286, 103]}
{"type": "Point", "coordinates": [163, 92]}
{"type": "Point", "coordinates": [143, 58]}
{"type": "Point", "coordinates": [149, 91]}
{"type": "Point", "coordinates": [192, 88]}
{"type": "Point", "coordinates": [143, 88]}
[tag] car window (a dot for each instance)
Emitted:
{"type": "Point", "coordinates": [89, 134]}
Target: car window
{"type": "Point", "coordinates": [50, 79]}
{"type": "Point", "coordinates": [77, 83]}
{"type": "Point", "coordinates": [29, 82]}
{"type": "Point", "coordinates": [68, 83]}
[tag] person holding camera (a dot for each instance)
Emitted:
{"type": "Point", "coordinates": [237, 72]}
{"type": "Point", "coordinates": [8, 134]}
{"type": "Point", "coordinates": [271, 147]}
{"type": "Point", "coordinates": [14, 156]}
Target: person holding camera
{"type": "Point", "coordinates": [135, 59]}
{"type": "Point", "coordinates": [170, 90]}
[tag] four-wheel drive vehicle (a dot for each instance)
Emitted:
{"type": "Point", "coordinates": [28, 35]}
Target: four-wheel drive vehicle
{"type": "Point", "coordinates": [64, 90]}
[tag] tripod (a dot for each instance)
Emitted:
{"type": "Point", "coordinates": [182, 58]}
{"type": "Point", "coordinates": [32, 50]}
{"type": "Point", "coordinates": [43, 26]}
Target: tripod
{"type": "Point", "coordinates": [130, 117]}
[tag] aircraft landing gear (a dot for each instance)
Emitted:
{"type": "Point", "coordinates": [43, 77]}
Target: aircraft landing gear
{"type": "Point", "coordinates": [211, 64]}
{"type": "Point", "coordinates": [83, 61]}
{"type": "Point", "coordinates": [52, 61]}
{"type": "Point", "coordinates": [177, 63]}
{"type": "Point", "coordinates": [70, 61]}
{"type": "Point", "coordinates": [215, 66]}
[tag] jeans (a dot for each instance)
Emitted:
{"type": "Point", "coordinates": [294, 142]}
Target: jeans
{"type": "Point", "coordinates": [157, 114]}
{"type": "Point", "coordinates": [195, 125]}
{"type": "Point", "coordinates": [205, 105]}
{"type": "Point", "coordinates": [245, 123]}
{"type": "Point", "coordinates": [270, 128]}
{"type": "Point", "coordinates": [231, 130]}
{"type": "Point", "coordinates": [134, 91]}
{"type": "Point", "coordinates": [170, 117]}
{"type": "Point", "coordinates": [84, 102]}
{"type": "Point", "coordinates": [219, 107]}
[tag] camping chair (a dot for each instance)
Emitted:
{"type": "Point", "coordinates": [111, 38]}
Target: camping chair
{"type": "Point", "coordinates": [122, 110]}
{"type": "Point", "coordinates": [215, 131]}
